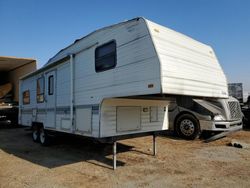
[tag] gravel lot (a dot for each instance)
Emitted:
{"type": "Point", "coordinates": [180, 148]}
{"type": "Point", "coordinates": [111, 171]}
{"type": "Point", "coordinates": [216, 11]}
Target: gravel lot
{"type": "Point", "coordinates": [78, 162]}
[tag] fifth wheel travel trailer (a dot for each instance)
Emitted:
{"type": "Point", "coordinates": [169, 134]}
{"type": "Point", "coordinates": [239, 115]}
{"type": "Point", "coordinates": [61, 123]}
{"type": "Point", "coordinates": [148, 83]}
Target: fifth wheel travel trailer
{"type": "Point", "coordinates": [118, 82]}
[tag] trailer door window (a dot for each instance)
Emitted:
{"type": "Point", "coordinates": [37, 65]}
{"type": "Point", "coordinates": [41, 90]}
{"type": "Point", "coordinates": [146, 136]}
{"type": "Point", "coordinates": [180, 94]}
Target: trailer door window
{"type": "Point", "coordinates": [26, 97]}
{"type": "Point", "coordinates": [51, 85]}
{"type": "Point", "coordinates": [40, 90]}
{"type": "Point", "coordinates": [105, 57]}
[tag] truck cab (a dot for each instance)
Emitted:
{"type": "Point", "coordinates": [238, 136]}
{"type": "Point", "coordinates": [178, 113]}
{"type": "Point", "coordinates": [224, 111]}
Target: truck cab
{"type": "Point", "coordinates": [189, 116]}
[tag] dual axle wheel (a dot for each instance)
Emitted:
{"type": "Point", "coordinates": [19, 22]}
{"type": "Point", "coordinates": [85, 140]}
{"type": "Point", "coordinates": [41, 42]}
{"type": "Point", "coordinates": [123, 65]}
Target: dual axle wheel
{"type": "Point", "coordinates": [39, 135]}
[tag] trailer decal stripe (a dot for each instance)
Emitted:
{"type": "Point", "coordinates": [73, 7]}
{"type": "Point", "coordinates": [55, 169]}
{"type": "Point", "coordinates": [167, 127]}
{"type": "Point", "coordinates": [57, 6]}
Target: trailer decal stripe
{"type": "Point", "coordinates": [62, 109]}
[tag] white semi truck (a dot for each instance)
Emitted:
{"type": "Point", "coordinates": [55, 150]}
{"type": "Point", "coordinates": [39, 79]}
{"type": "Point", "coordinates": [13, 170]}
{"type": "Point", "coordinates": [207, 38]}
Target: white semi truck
{"type": "Point", "coordinates": [189, 116]}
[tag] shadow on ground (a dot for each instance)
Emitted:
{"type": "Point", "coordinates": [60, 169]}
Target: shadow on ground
{"type": "Point", "coordinates": [17, 141]}
{"type": "Point", "coordinates": [64, 150]}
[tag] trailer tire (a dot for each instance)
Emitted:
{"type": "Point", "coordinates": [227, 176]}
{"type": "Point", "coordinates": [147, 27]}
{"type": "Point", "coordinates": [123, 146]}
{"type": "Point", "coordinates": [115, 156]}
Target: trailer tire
{"type": "Point", "coordinates": [44, 137]}
{"type": "Point", "coordinates": [187, 127]}
{"type": "Point", "coordinates": [35, 133]}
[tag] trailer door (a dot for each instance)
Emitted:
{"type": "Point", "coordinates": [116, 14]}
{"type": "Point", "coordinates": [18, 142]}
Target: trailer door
{"type": "Point", "coordinates": [51, 99]}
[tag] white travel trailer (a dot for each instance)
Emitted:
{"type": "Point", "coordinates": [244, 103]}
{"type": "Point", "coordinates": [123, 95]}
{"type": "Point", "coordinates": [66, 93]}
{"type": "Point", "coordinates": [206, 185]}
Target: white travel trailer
{"type": "Point", "coordinates": [113, 82]}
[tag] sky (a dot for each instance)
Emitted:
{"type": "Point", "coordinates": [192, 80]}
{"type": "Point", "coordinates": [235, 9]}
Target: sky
{"type": "Point", "coordinates": [39, 29]}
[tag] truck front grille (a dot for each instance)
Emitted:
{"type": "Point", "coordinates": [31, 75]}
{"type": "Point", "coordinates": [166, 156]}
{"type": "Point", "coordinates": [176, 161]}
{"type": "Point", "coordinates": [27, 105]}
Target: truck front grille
{"type": "Point", "coordinates": [235, 111]}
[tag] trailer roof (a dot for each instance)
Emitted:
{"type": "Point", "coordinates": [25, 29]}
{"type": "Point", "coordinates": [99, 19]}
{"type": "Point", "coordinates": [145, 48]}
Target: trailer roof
{"type": "Point", "coordinates": [57, 59]}
{"type": "Point", "coordinates": [11, 63]}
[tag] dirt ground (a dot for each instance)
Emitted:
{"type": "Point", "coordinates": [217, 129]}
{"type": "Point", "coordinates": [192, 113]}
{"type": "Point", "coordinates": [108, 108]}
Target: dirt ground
{"type": "Point", "coordinates": [78, 162]}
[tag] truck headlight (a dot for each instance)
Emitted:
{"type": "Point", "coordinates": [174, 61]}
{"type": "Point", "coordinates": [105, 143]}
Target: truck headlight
{"type": "Point", "coordinates": [219, 118]}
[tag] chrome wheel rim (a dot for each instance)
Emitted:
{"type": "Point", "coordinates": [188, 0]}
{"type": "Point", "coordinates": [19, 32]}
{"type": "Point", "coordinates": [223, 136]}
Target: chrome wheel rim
{"type": "Point", "coordinates": [42, 136]}
{"type": "Point", "coordinates": [35, 134]}
{"type": "Point", "coordinates": [187, 127]}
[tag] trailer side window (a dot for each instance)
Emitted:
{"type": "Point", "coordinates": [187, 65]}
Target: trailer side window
{"type": "Point", "coordinates": [40, 90]}
{"type": "Point", "coordinates": [105, 57]}
{"type": "Point", "coordinates": [51, 85]}
{"type": "Point", "coordinates": [26, 97]}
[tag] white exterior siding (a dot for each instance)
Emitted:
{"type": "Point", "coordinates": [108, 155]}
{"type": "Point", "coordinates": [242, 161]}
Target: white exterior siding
{"type": "Point", "coordinates": [63, 85]}
{"type": "Point", "coordinates": [137, 68]}
{"type": "Point", "coordinates": [95, 125]}
{"type": "Point", "coordinates": [188, 67]}
{"type": "Point", "coordinates": [137, 65]}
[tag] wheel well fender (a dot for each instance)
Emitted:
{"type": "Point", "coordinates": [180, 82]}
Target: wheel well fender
{"type": "Point", "coordinates": [37, 124]}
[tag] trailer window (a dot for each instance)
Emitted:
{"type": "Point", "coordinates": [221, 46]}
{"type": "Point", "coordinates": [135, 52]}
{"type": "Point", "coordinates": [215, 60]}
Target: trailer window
{"type": "Point", "coordinates": [51, 85]}
{"type": "Point", "coordinates": [105, 57]}
{"type": "Point", "coordinates": [26, 97]}
{"type": "Point", "coordinates": [40, 90]}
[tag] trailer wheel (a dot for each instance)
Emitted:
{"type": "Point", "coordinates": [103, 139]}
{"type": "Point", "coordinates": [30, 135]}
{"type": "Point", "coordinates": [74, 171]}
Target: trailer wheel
{"type": "Point", "coordinates": [44, 137]}
{"type": "Point", "coordinates": [35, 133]}
{"type": "Point", "coordinates": [187, 127]}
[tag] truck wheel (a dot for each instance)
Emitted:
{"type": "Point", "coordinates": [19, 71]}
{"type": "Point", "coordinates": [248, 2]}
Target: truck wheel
{"type": "Point", "coordinates": [44, 138]}
{"type": "Point", "coordinates": [35, 133]}
{"type": "Point", "coordinates": [187, 127]}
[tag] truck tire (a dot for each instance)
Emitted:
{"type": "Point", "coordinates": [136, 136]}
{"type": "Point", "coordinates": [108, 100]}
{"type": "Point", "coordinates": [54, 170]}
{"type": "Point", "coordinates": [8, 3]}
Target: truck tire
{"type": "Point", "coordinates": [187, 127]}
{"type": "Point", "coordinates": [44, 137]}
{"type": "Point", "coordinates": [35, 133]}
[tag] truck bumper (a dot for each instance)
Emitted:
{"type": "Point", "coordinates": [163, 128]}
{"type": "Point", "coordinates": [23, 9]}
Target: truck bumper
{"type": "Point", "coordinates": [221, 125]}
{"type": "Point", "coordinates": [3, 117]}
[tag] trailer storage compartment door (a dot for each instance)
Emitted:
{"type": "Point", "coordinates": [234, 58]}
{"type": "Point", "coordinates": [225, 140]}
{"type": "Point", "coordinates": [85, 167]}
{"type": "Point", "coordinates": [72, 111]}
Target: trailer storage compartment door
{"type": "Point", "coordinates": [83, 119]}
{"type": "Point", "coordinates": [128, 118]}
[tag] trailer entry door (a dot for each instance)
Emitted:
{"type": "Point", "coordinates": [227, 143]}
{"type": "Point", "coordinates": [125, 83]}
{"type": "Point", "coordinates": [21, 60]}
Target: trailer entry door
{"type": "Point", "coordinates": [50, 99]}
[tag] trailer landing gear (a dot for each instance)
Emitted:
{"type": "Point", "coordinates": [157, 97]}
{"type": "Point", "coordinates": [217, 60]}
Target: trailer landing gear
{"type": "Point", "coordinates": [114, 155]}
{"type": "Point", "coordinates": [154, 144]}
{"type": "Point", "coordinates": [115, 150]}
